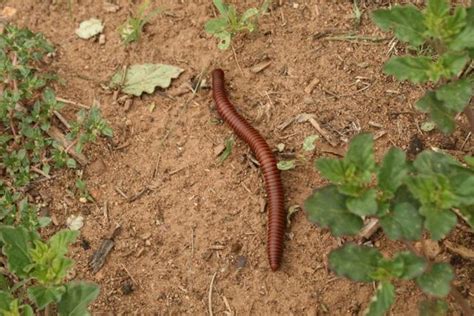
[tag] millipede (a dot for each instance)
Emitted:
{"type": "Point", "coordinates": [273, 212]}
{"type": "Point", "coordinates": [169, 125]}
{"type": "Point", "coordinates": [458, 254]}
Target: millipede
{"type": "Point", "coordinates": [268, 164]}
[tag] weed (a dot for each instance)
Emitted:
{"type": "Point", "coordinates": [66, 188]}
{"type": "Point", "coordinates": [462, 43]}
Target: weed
{"type": "Point", "coordinates": [35, 267]}
{"type": "Point", "coordinates": [132, 29]}
{"type": "Point", "coordinates": [406, 198]}
{"type": "Point", "coordinates": [442, 38]}
{"type": "Point", "coordinates": [231, 23]}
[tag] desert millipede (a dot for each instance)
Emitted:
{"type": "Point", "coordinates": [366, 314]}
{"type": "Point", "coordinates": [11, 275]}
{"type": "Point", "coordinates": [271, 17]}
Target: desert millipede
{"type": "Point", "coordinates": [271, 174]}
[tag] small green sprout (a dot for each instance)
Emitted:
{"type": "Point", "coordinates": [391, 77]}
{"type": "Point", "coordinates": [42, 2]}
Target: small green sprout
{"type": "Point", "coordinates": [132, 29]}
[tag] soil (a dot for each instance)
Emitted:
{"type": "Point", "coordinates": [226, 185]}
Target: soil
{"type": "Point", "coordinates": [192, 219]}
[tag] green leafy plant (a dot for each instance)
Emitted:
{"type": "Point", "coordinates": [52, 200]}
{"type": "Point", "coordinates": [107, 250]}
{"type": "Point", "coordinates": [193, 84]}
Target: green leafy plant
{"type": "Point", "coordinates": [41, 268]}
{"type": "Point", "coordinates": [34, 272]}
{"type": "Point", "coordinates": [406, 198]}
{"type": "Point", "coordinates": [230, 23]}
{"type": "Point", "coordinates": [132, 29]}
{"type": "Point", "coordinates": [441, 37]}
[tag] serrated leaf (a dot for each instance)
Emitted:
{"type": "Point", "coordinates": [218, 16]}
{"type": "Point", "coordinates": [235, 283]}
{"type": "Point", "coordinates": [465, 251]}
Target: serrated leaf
{"type": "Point", "coordinates": [327, 207]}
{"type": "Point", "coordinates": [332, 169]}
{"type": "Point", "coordinates": [361, 152]}
{"type": "Point", "coordinates": [433, 308]}
{"type": "Point", "coordinates": [455, 95]}
{"type": "Point", "coordinates": [16, 244]}
{"type": "Point", "coordinates": [145, 78]}
{"type": "Point", "coordinates": [308, 143]}
{"type": "Point", "coordinates": [392, 171]}
{"type": "Point", "coordinates": [76, 299]}
{"type": "Point", "coordinates": [437, 281]}
{"type": "Point", "coordinates": [286, 165]}
{"type": "Point", "coordinates": [44, 295]}
{"type": "Point", "coordinates": [438, 222]}
{"type": "Point", "coordinates": [382, 300]}
{"type": "Point", "coordinates": [406, 22]}
{"type": "Point", "coordinates": [442, 116]}
{"type": "Point", "coordinates": [229, 144]}
{"type": "Point", "coordinates": [413, 68]}
{"type": "Point", "coordinates": [464, 39]}
{"type": "Point", "coordinates": [403, 223]}
{"type": "Point", "coordinates": [431, 163]}
{"type": "Point", "coordinates": [413, 265]}
{"type": "Point", "coordinates": [364, 205]}
{"type": "Point", "coordinates": [61, 240]}
{"type": "Point", "coordinates": [357, 263]}
{"type": "Point", "coordinates": [89, 28]}
{"type": "Point", "coordinates": [450, 64]}
{"type": "Point", "coordinates": [440, 24]}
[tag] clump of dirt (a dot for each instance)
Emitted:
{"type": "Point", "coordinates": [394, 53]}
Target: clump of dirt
{"type": "Point", "coordinates": [187, 219]}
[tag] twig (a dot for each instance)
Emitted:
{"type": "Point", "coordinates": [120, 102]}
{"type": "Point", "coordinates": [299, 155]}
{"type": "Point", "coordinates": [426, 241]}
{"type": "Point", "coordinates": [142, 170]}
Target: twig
{"type": "Point", "coordinates": [210, 294]}
{"type": "Point", "coordinates": [73, 103]}
{"type": "Point", "coordinates": [40, 172]}
{"type": "Point", "coordinates": [129, 274]}
{"type": "Point", "coordinates": [106, 213]}
{"type": "Point", "coordinates": [62, 119]}
{"type": "Point", "coordinates": [58, 136]}
{"type": "Point", "coordinates": [237, 61]}
{"type": "Point", "coordinates": [117, 189]}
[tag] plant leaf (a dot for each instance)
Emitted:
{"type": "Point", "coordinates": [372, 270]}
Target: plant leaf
{"type": "Point", "coordinates": [438, 222]}
{"type": "Point", "coordinates": [332, 169]}
{"type": "Point", "coordinates": [89, 28]}
{"type": "Point", "coordinates": [61, 240]}
{"type": "Point", "coordinates": [286, 165]}
{"type": "Point", "coordinates": [45, 295]}
{"type": "Point", "coordinates": [16, 244]}
{"type": "Point", "coordinates": [392, 171]}
{"type": "Point", "coordinates": [382, 300]}
{"type": "Point", "coordinates": [327, 207]}
{"type": "Point", "coordinates": [216, 25]}
{"type": "Point", "coordinates": [440, 115]}
{"type": "Point", "coordinates": [364, 205]}
{"type": "Point", "coordinates": [413, 68]}
{"type": "Point", "coordinates": [78, 295]}
{"type": "Point", "coordinates": [433, 308]}
{"type": "Point", "coordinates": [145, 78]}
{"type": "Point", "coordinates": [221, 7]}
{"type": "Point", "coordinates": [403, 223]}
{"type": "Point", "coordinates": [308, 143]}
{"type": "Point", "coordinates": [413, 265]}
{"type": "Point", "coordinates": [437, 281]}
{"type": "Point", "coordinates": [229, 144]}
{"type": "Point", "coordinates": [361, 152]}
{"type": "Point", "coordinates": [464, 39]}
{"type": "Point", "coordinates": [406, 21]}
{"type": "Point", "coordinates": [357, 263]}
{"type": "Point", "coordinates": [455, 95]}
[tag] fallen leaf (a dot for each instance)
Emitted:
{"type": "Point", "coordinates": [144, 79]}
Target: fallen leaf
{"type": "Point", "coordinates": [428, 126]}
{"type": "Point", "coordinates": [145, 78]}
{"type": "Point", "coordinates": [308, 143]}
{"type": "Point", "coordinates": [286, 165]}
{"type": "Point", "coordinates": [89, 28]}
{"type": "Point", "coordinates": [292, 210]}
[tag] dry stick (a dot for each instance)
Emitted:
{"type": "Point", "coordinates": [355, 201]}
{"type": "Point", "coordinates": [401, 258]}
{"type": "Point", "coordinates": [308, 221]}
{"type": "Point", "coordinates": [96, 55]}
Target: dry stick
{"type": "Point", "coordinates": [469, 112]}
{"type": "Point", "coordinates": [73, 103]}
{"type": "Point", "coordinates": [58, 136]}
{"type": "Point", "coordinates": [210, 294]}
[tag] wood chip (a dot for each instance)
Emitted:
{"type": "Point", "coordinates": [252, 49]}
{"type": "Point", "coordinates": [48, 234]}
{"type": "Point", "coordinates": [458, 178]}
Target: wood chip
{"type": "Point", "coordinates": [100, 255]}
{"type": "Point", "coordinates": [110, 7]}
{"type": "Point", "coordinates": [370, 228]}
{"type": "Point", "coordinates": [310, 87]}
{"type": "Point", "coordinates": [260, 66]}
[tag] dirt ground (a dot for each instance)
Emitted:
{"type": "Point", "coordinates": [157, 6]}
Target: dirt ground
{"type": "Point", "coordinates": [192, 220]}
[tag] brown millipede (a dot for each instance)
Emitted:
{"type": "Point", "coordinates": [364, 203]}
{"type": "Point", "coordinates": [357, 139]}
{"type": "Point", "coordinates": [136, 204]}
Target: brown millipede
{"type": "Point", "coordinates": [271, 174]}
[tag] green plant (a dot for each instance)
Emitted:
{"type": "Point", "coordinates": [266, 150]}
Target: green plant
{"type": "Point", "coordinates": [35, 270]}
{"type": "Point", "coordinates": [41, 268]}
{"type": "Point", "coordinates": [231, 23]}
{"type": "Point", "coordinates": [132, 29]}
{"type": "Point", "coordinates": [308, 148]}
{"type": "Point", "coordinates": [406, 197]}
{"type": "Point", "coordinates": [441, 37]}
